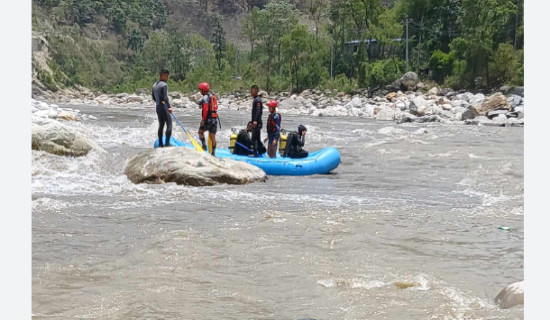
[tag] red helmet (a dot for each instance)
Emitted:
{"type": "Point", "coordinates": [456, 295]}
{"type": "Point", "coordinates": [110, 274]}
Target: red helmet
{"type": "Point", "coordinates": [272, 103]}
{"type": "Point", "coordinates": [204, 86]}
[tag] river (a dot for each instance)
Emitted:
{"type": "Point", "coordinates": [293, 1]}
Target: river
{"type": "Point", "coordinates": [407, 227]}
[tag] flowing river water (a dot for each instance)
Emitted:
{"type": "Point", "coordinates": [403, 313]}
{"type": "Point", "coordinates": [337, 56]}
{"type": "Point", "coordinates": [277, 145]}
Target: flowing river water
{"type": "Point", "coordinates": [407, 227]}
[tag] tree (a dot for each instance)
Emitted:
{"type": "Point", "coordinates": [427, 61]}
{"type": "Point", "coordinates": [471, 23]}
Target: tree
{"type": "Point", "coordinates": [218, 39]}
{"type": "Point", "coordinates": [154, 52]}
{"type": "Point", "coordinates": [276, 19]}
{"type": "Point", "coordinates": [318, 10]}
{"type": "Point", "coordinates": [251, 26]}
{"type": "Point", "coordinates": [481, 22]}
{"type": "Point", "coordinates": [301, 51]}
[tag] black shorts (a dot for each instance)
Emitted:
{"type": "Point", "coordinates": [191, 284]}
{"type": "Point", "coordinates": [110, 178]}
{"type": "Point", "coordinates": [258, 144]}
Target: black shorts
{"type": "Point", "coordinates": [210, 125]}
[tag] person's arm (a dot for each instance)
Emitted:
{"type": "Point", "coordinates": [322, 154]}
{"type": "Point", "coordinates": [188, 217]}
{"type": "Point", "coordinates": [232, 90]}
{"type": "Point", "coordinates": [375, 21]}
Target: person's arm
{"type": "Point", "coordinates": [204, 110]}
{"type": "Point", "coordinates": [277, 124]}
{"type": "Point", "coordinates": [164, 95]}
{"type": "Point", "coordinates": [259, 106]}
{"type": "Point", "coordinates": [153, 94]}
{"type": "Point", "coordinates": [302, 140]}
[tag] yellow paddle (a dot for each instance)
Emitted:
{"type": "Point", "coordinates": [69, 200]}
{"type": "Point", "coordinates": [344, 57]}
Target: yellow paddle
{"type": "Point", "coordinates": [193, 142]}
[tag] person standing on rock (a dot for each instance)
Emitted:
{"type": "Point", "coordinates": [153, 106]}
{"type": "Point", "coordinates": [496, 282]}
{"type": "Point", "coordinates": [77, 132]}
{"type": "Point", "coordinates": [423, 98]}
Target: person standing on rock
{"type": "Point", "coordinates": [257, 107]}
{"type": "Point", "coordinates": [209, 105]}
{"type": "Point", "coordinates": [273, 129]}
{"type": "Point", "coordinates": [160, 96]}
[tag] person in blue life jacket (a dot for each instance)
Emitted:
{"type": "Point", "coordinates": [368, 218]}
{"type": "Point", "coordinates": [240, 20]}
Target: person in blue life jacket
{"type": "Point", "coordinates": [160, 96]}
{"type": "Point", "coordinates": [273, 129]}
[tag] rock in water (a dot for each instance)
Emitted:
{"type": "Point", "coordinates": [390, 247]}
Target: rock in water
{"type": "Point", "coordinates": [67, 115]}
{"type": "Point", "coordinates": [510, 296]}
{"type": "Point", "coordinates": [189, 167]}
{"type": "Point", "coordinates": [53, 137]}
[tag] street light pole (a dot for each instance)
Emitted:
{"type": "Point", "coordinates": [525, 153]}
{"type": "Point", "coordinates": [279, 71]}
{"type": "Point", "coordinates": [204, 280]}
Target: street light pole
{"type": "Point", "coordinates": [407, 42]}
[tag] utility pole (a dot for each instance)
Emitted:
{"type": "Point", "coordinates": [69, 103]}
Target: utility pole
{"type": "Point", "coordinates": [236, 51]}
{"type": "Point", "coordinates": [407, 43]}
{"type": "Point", "coordinates": [516, 29]}
{"type": "Point", "coordinates": [331, 49]}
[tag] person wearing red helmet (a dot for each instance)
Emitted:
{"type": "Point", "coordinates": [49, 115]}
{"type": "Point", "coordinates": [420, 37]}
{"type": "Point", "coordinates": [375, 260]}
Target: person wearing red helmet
{"type": "Point", "coordinates": [273, 129]}
{"type": "Point", "coordinates": [160, 96]}
{"type": "Point", "coordinates": [209, 106]}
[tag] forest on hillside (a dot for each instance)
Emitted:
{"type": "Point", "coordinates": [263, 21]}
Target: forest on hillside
{"type": "Point", "coordinates": [282, 45]}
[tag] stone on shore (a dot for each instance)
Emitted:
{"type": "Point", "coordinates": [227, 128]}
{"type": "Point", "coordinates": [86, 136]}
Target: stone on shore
{"type": "Point", "coordinates": [433, 91]}
{"type": "Point", "coordinates": [419, 106]}
{"type": "Point", "coordinates": [495, 102]}
{"type": "Point", "coordinates": [187, 166]}
{"type": "Point", "coordinates": [263, 94]}
{"type": "Point", "coordinates": [409, 79]}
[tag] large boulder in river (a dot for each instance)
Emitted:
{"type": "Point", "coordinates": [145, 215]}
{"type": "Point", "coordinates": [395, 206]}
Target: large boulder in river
{"type": "Point", "coordinates": [53, 137]}
{"type": "Point", "coordinates": [189, 167]}
{"type": "Point", "coordinates": [510, 296]}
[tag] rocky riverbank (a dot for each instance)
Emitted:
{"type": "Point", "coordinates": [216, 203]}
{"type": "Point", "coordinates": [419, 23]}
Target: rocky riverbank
{"type": "Point", "coordinates": [504, 108]}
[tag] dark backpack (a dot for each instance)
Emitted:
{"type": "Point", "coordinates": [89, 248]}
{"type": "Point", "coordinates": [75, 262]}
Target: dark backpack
{"type": "Point", "coordinates": [289, 140]}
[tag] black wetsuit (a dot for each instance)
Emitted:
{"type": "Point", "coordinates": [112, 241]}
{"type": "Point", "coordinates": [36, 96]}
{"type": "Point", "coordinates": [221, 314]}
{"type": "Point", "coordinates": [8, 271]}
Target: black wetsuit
{"type": "Point", "coordinates": [295, 143]}
{"type": "Point", "coordinates": [257, 107]}
{"type": "Point", "coordinates": [160, 96]}
{"type": "Point", "coordinates": [244, 139]}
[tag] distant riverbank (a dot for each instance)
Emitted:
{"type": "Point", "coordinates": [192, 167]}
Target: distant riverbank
{"type": "Point", "coordinates": [436, 105]}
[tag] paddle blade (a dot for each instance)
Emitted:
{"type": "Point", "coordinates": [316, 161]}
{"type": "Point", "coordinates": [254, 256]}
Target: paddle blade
{"type": "Point", "coordinates": [209, 145]}
{"type": "Point", "coordinates": [195, 143]}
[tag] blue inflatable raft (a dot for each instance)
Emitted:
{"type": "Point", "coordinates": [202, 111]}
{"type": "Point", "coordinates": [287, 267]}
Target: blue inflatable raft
{"type": "Point", "coordinates": [319, 162]}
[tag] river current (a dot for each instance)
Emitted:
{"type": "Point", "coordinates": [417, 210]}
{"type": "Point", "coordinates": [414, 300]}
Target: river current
{"type": "Point", "coordinates": [407, 227]}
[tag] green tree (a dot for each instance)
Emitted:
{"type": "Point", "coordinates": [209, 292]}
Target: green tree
{"type": "Point", "coordinates": [251, 27]}
{"type": "Point", "coordinates": [481, 22]}
{"type": "Point", "coordinates": [318, 10]}
{"type": "Point", "coordinates": [153, 52]}
{"type": "Point", "coordinates": [218, 39]}
{"type": "Point", "coordinates": [302, 52]}
{"type": "Point", "coordinates": [276, 19]}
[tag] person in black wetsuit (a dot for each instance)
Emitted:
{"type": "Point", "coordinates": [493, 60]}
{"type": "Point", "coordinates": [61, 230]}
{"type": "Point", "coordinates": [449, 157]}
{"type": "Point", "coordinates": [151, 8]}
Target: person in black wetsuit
{"type": "Point", "coordinates": [243, 138]}
{"type": "Point", "coordinates": [295, 143]}
{"type": "Point", "coordinates": [257, 107]}
{"type": "Point", "coordinates": [160, 96]}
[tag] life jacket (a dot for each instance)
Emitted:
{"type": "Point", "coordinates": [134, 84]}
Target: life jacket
{"type": "Point", "coordinates": [271, 124]}
{"type": "Point", "coordinates": [212, 106]}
